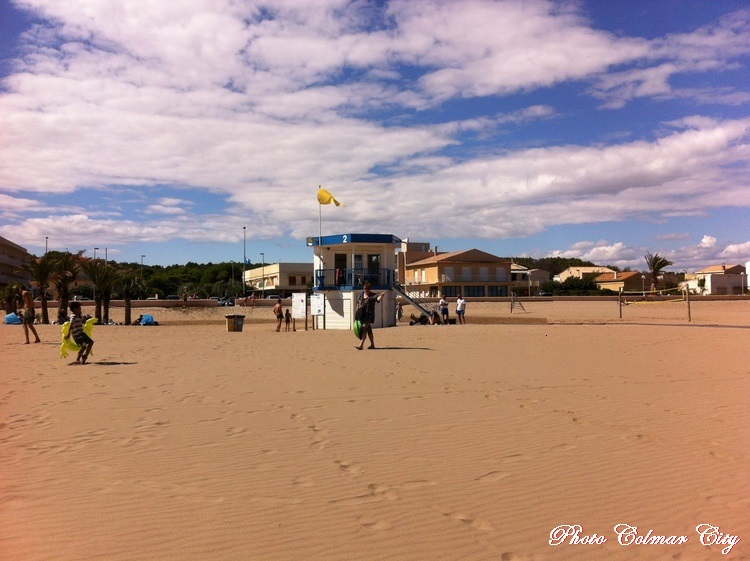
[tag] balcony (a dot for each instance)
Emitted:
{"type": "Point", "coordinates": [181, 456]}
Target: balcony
{"type": "Point", "coordinates": [477, 278]}
{"type": "Point", "coordinates": [352, 279]}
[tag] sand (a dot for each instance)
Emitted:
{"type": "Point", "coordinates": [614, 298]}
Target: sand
{"type": "Point", "coordinates": [186, 442]}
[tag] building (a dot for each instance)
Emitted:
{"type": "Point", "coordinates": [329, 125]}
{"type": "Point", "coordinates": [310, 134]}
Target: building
{"type": "Point", "coordinates": [580, 272]}
{"type": "Point", "coordinates": [282, 279]}
{"type": "Point", "coordinates": [526, 281]}
{"type": "Point", "coordinates": [472, 273]}
{"type": "Point", "coordinates": [718, 279]}
{"type": "Point", "coordinates": [13, 258]}
{"type": "Point", "coordinates": [343, 263]}
{"type": "Point", "coordinates": [629, 281]}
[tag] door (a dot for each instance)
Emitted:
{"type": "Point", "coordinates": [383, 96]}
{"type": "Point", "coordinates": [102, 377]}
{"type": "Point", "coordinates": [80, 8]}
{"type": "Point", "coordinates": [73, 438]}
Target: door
{"type": "Point", "coordinates": [373, 268]}
{"type": "Point", "coordinates": [339, 263]}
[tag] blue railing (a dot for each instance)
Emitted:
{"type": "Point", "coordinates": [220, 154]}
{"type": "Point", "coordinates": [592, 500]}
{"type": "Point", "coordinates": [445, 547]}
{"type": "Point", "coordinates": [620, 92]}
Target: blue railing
{"type": "Point", "coordinates": [348, 279]}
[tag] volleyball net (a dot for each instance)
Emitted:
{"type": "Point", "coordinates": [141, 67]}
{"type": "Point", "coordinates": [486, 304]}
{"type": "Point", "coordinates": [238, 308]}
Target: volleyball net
{"type": "Point", "coordinates": [659, 297]}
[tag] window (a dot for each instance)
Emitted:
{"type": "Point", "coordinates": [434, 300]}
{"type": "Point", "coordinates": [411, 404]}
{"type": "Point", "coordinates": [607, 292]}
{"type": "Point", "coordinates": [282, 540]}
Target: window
{"type": "Point", "coordinates": [501, 291]}
{"type": "Point", "coordinates": [292, 280]}
{"type": "Point", "coordinates": [303, 281]}
{"type": "Point", "coordinates": [451, 291]}
{"type": "Point", "coordinates": [448, 274]}
{"type": "Point", "coordinates": [474, 291]}
{"type": "Point", "coordinates": [484, 274]}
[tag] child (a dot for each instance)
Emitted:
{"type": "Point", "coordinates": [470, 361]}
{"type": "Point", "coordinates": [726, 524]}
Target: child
{"type": "Point", "coordinates": [288, 319]}
{"type": "Point", "coordinates": [76, 331]}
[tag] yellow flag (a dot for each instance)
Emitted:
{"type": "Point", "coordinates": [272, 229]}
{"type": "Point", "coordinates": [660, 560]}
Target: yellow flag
{"type": "Point", "coordinates": [325, 198]}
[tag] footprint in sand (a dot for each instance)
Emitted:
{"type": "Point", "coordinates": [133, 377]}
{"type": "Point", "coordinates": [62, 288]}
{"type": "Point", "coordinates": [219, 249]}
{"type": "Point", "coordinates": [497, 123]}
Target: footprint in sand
{"type": "Point", "coordinates": [469, 520]}
{"type": "Point", "coordinates": [720, 455]}
{"type": "Point", "coordinates": [376, 493]}
{"type": "Point", "coordinates": [375, 524]}
{"type": "Point", "coordinates": [493, 476]}
{"type": "Point", "coordinates": [351, 469]}
{"type": "Point", "coordinates": [304, 481]}
{"type": "Point", "coordinates": [563, 448]}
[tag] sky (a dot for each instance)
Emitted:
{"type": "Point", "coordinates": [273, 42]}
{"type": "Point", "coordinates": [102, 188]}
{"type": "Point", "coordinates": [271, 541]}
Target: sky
{"type": "Point", "coordinates": [170, 132]}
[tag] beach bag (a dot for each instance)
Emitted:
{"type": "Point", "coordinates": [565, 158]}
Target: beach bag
{"type": "Point", "coordinates": [357, 329]}
{"type": "Point", "coordinates": [13, 319]}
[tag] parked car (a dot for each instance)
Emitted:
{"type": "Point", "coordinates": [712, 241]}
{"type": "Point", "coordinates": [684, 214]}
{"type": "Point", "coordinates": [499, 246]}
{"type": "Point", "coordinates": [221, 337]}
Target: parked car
{"type": "Point", "coordinates": [173, 297]}
{"type": "Point", "coordinates": [227, 301]}
{"type": "Point", "coordinates": [273, 296]}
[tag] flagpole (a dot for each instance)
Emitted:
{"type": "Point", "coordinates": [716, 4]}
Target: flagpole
{"type": "Point", "coordinates": [320, 233]}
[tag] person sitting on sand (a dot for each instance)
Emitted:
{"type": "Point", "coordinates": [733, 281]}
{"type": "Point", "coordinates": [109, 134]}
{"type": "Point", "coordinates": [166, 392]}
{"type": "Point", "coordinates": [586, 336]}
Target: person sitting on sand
{"type": "Point", "coordinates": [421, 320]}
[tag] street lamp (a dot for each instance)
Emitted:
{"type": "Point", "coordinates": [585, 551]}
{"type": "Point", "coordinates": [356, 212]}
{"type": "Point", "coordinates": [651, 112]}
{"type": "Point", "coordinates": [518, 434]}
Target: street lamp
{"type": "Point", "coordinates": [244, 260]}
{"type": "Point", "coordinates": [643, 285]}
{"type": "Point", "coordinates": [263, 274]}
{"type": "Point", "coordinates": [46, 239]}
{"type": "Point", "coordinates": [142, 256]}
{"type": "Point", "coordinates": [95, 285]}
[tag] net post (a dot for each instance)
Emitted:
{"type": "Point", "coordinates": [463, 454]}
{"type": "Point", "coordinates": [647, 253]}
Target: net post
{"type": "Point", "coordinates": [687, 297]}
{"type": "Point", "coordinates": [619, 301]}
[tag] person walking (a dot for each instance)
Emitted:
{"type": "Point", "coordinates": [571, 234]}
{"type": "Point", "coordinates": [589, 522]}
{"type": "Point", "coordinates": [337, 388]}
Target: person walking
{"type": "Point", "coordinates": [76, 331]}
{"type": "Point", "coordinates": [28, 316]}
{"type": "Point", "coordinates": [366, 314]}
{"type": "Point", "coordinates": [460, 309]}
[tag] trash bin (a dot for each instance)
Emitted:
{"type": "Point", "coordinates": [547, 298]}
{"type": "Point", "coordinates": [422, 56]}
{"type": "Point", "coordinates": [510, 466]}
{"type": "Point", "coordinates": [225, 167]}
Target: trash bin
{"type": "Point", "coordinates": [235, 322]}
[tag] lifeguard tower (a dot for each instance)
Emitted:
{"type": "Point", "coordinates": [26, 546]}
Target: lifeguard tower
{"type": "Point", "coordinates": [343, 263]}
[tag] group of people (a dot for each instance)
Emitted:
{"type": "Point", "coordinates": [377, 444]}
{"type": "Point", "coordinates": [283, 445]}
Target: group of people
{"type": "Point", "coordinates": [443, 317]}
{"type": "Point", "coordinates": [282, 316]}
{"type": "Point", "coordinates": [460, 310]}
{"type": "Point", "coordinates": [76, 331]}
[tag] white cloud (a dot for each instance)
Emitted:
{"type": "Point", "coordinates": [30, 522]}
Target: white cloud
{"type": "Point", "coordinates": [740, 252]}
{"type": "Point", "coordinates": [261, 102]}
{"type": "Point", "coordinates": [708, 241]}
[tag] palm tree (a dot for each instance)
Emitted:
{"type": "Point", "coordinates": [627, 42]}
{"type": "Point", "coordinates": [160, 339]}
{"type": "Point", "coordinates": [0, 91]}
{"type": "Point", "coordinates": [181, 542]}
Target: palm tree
{"type": "Point", "coordinates": [104, 275]}
{"type": "Point", "coordinates": [41, 270]}
{"type": "Point", "coordinates": [65, 269]}
{"type": "Point", "coordinates": [655, 264]}
{"type": "Point", "coordinates": [10, 296]}
{"type": "Point", "coordinates": [131, 285]}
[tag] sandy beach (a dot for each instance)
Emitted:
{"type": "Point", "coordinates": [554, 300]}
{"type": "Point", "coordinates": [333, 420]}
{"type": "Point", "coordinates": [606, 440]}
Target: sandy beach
{"type": "Point", "coordinates": [479, 442]}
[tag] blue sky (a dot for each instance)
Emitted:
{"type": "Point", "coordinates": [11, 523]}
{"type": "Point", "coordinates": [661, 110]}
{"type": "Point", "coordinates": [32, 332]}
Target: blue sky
{"type": "Point", "coordinates": [598, 130]}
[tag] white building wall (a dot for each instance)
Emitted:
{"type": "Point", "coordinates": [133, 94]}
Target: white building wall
{"type": "Point", "coordinates": [341, 305]}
